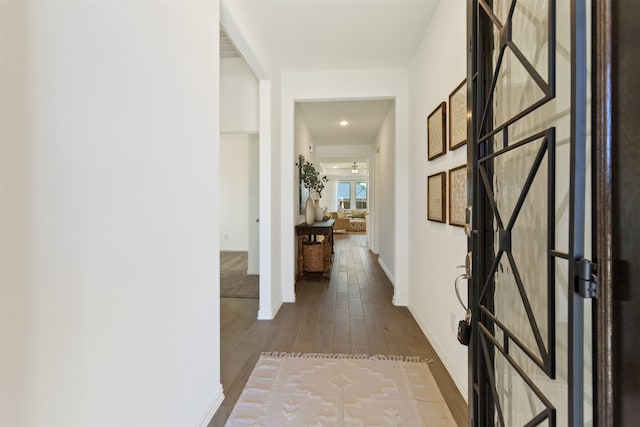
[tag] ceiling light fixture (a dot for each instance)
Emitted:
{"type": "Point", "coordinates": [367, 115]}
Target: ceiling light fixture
{"type": "Point", "coordinates": [354, 168]}
{"type": "Point", "coordinates": [344, 123]}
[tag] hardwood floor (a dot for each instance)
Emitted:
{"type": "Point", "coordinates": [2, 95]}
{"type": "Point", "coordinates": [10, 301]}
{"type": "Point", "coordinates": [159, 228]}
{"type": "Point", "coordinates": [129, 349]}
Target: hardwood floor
{"type": "Point", "coordinates": [350, 313]}
{"type": "Point", "coordinates": [234, 280]}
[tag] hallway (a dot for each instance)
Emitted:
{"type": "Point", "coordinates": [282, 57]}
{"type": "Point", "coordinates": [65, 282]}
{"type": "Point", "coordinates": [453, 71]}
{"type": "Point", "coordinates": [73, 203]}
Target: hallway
{"type": "Point", "coordinates": [351, 313]}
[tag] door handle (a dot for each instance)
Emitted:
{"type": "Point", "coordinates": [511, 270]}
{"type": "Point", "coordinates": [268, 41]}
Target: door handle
{"type": "Point", "coordinates": [462, 276]}
{"type": "Point", "coordinates": [466, 275]}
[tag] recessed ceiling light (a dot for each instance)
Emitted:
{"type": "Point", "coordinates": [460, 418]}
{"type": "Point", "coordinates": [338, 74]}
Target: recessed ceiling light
{"type": "Point", "coordinates": [344, 123]}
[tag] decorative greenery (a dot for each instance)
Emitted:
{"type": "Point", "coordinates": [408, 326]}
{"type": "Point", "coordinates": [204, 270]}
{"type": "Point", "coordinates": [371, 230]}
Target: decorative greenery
{"type": "Point", "coordinates": [311, 177]}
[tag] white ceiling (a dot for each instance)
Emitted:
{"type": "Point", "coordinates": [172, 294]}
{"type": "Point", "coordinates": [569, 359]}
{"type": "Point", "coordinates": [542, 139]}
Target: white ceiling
{"type": "Point", "coordinates": [323, 120]}
{"type": "Point", "coordinates": [343, 168]}
{"type": "Point", "coordinates": [318, 35]}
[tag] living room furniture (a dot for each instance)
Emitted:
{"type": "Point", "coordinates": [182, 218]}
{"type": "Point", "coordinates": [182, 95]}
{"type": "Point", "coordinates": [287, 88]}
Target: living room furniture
{"type": "Point", "coordinates": [340, 223]}
{"type": "Point", "coordinates": [357, 224]}
{"type": "Point", "coordinates": [315, 248]}
{"type": "Point", "coordinates": [350, 220]}
{"type": "Point", "coordinates": [357, 220]}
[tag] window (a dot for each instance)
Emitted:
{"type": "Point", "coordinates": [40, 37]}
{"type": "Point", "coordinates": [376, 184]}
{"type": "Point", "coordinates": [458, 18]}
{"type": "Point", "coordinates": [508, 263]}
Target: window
{"type": "Point", "coordinates": [361, 195]}
{"type": "Point", "coordinates": [344, 195]}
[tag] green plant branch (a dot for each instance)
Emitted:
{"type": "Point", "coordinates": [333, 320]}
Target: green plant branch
{"type": "Point", "coordinates": [311, 178]}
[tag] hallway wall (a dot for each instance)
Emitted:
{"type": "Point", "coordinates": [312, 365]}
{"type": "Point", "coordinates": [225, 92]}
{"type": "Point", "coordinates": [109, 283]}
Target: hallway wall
{"type": "Point", "coordinates": [384, 187]}
{"type": "Point", "coordinates": [109, 183]}
{"type": "Point", "coordinates": [437, 67]}
{"type": "Point", "coordinates": [302, 140]}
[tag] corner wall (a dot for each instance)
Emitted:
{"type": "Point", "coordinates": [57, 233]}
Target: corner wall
{"type": "Point", "coordinates": [109, 277]}
{"type": "Point", "coordinates": [438, 66]}
{"type": "Point", "coordinates": [252, 47]}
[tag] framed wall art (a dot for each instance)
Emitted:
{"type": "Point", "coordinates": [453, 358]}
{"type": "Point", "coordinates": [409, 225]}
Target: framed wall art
{"type": "Point", "coordinates": [437, 132]}
{"type": "Point", "coordinates": [457, 195]}
{"type": "Point", "coordinates": [458, 116]}
{"type": "Point", "coordinates": [436, 193]}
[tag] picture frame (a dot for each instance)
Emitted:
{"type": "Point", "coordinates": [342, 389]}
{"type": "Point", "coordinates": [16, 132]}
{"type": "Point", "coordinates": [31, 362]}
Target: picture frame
{"type": "Point", "coordinates": [458, 195]}
{"type": "Point", "coordinates": [458, 116]}
{"type": "Point", "coordinates": [437, 132]}
{"type": "Point", "coordinates": [436, 197]}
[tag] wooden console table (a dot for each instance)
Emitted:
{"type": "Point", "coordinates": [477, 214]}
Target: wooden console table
{"type": "Point", "coordinates": [324, 248]}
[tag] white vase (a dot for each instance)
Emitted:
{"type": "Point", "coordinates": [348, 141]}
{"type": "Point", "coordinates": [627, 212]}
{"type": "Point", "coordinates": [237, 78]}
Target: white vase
{"type": "Point", "coordinates": [309, 211]}
{"type": "Point", "coordinates": [319, 213]}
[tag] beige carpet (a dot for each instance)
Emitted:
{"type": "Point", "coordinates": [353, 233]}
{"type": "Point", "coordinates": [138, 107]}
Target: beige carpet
{"type": "Point", "coordinates": [340, 390]}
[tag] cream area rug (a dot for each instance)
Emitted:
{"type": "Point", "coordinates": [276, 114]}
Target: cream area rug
{"type": "Point", "coordinates": [340, 390]}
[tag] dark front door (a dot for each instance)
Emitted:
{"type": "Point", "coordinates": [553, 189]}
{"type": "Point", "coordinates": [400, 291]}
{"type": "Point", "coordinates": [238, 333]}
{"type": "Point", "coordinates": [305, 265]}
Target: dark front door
{"type": "Point", "coordinates": [531, 352]}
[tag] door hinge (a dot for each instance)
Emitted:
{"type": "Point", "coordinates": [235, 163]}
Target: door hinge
{"type": "Point", "coordinates": [588, 277]}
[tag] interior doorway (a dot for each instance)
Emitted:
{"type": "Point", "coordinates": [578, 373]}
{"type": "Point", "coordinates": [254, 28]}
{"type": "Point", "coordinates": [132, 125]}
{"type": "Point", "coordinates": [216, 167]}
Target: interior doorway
{"type": "Point", "coordinates": [353, 143]}
{"type": "Point", "coordinates": [240, 164]}
{"type": "Point", "coordinates": [239, 216]}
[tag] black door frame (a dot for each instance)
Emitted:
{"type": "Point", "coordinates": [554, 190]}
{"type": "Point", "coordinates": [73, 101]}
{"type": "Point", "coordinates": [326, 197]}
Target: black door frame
{"type": "Point", "coordinates": [602, 182]}
{"type": "Point", "coordinates": [601, 84]}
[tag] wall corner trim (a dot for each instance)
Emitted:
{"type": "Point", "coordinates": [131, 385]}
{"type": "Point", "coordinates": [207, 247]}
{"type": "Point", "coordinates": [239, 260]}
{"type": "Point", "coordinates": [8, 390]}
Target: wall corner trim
{"type": "Point", "coordinates": [387, 272]}
{"type": "Point", "coordinates": [212, 407]}
{"type": "Point", "coordinates": [269, 314]}
{"type": "Point", "coordinates": [462, 386]}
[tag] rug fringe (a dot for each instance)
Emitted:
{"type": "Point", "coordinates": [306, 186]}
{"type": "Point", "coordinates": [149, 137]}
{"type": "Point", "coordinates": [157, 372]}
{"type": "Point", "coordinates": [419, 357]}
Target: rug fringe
{"type": "Point", "coordinates": [394, 358]}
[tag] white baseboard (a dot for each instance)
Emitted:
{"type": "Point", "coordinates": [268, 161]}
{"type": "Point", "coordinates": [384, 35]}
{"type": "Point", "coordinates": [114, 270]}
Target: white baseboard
{"type": "Point", "coordinates": [288, 298]}
{"type": "Point", "coordinates": [387, 271]}
{"type": "Point", "coordinates": [265, 315]}
{"type": "Point", "coordinates": [269, 314]}
{"type": "Point", "coordinates": [212, 407]}
{"type": "Point", "coordinates": [399, 303]}
{"type": "Point", "coordinates": [462, 387]}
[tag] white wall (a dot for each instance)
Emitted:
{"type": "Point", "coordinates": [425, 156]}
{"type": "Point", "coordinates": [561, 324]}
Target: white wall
{"type": "Point", "coordinates": [347, 85]}
{"type": "Point", "coordinates": [437, 67]}
{"type": "Point", "coordinates": [270, 300]}
{"type": "Point", "coordinates": [234, 192]}
{"type": "Point", "coordinates": [347, 152]}
{"type": "Point", "coordinates": [303, 143]}
{"type": "Point", "coordinates": [109, 186]}
{"type": "Point", "coordinates": [253, 261]}
{"type": "Point", "coordinates": [252, 47]}
{"type": "Point", "coordinates": [238, 97]}
{"type": "Point", "coordinates": [385, 178]}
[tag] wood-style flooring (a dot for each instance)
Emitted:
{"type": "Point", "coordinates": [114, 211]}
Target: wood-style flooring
{"type": "Point", "coordinates": [234, 280]}
{"type": "Point", "coordinates": [350, 313]}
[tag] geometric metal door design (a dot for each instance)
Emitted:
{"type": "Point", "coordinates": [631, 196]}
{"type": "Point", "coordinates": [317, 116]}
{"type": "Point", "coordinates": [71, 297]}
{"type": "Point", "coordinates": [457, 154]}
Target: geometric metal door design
{"type": "Point", "coordinates": [528, 99]}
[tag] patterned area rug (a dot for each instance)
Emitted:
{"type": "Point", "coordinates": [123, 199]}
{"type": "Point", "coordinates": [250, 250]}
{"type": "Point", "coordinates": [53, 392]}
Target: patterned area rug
{"type": "Point", "coordinates": [340, 390]}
